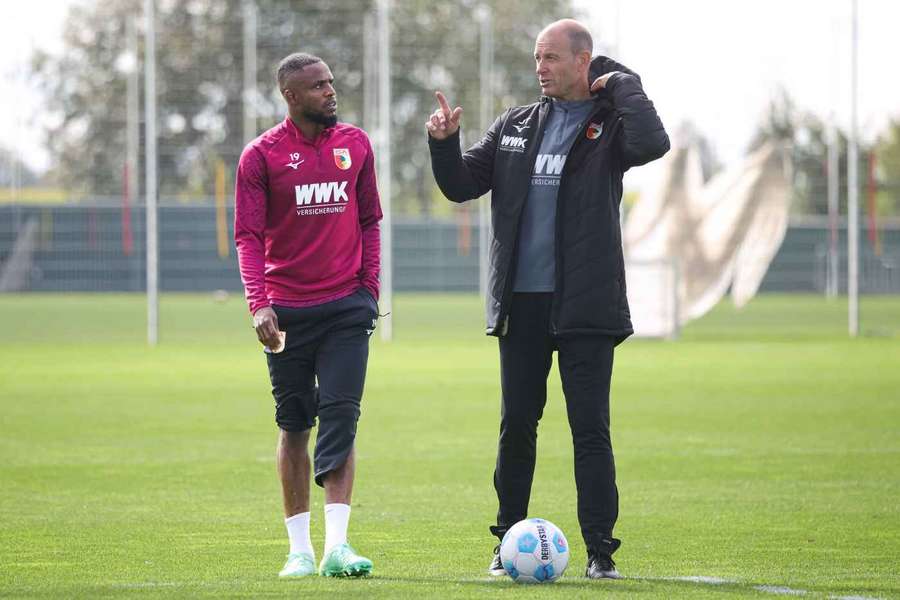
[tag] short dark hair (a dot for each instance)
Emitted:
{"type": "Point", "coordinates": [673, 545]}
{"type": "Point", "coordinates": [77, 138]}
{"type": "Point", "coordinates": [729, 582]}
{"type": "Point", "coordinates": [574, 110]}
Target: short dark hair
{"type": "Point", "coordinates": [293, 63]}
{"type": "Point", "coordinates": [580, 40]}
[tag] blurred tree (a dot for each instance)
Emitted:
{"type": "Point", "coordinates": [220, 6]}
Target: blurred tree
{"type": "Point", "coordinates": [436, 47]}
{"type": "Point", "coordinates": [807, 135]}
{"type": "Point", "coordinates": [687, 134]}
{"type": "Point", "coordinates": [199, 78]}
{"type": "Point", "coordinates": [199, 93]}
{"type": "Point", "coordinates": [13, 171]}
{"type": "Point", "coordinates": [779, 122]}
{"type": "Point", "coordinates": [888, 153]}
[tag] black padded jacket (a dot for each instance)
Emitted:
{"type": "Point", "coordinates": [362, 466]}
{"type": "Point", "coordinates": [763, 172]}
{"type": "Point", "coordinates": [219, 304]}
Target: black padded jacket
{"type": "Point", "coordinates": [623, 131]}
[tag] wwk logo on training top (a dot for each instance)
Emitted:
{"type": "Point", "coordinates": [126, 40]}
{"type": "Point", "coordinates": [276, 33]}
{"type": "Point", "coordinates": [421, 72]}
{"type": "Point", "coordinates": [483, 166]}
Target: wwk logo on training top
{"type": "Point", "coordinates": [512, 143]}
{"type": "Point", "coordinates": [548, 169]}
{"type": "Point", "coordinates": [315, 178]}
{"type": "Point", "coordinates": [321, 198]}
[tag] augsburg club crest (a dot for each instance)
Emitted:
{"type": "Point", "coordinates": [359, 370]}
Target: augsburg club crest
{"type": "Point", "coordinates": [594, 130]}
{"type": "Point", "coordinates": [342, 158]}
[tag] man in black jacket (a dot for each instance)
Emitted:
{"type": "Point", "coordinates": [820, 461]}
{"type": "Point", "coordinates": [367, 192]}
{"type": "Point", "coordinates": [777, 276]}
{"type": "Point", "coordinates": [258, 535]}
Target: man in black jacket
{"type": "Point", "coordinates": [557, 275]}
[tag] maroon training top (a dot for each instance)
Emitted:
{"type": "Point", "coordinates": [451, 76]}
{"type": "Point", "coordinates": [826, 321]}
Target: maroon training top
{"type": "Point", "coordinates": [306, 216]}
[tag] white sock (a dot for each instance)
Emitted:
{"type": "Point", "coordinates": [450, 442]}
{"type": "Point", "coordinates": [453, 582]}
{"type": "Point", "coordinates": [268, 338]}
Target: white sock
{"type": "Point", "coordinates": [337, 518]}
{"type": "Point", "coordinates": [298, 533]}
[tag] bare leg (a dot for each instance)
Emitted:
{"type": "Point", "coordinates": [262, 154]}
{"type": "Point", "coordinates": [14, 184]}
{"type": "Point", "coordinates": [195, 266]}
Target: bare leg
{"type": "Point", "coordinates": [294, 469]}
{"type": "Point", "coordinates": [339, 482]}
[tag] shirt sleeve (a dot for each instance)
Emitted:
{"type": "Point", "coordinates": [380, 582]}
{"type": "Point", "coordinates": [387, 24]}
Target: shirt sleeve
{"type": "Point", "coordinates": [369, 217]}
{"type": "Point", "coordinates": [250, 199]}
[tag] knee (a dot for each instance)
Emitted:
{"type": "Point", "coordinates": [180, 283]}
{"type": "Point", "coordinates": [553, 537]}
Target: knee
{"type": "Point", "coordinates": [519, 422]}
{"type": "Point", "coordinates": [518, 432]}
{"type": "Point", "coordinates": [294, 410]}
{"type": "Point", "coordinates": [294, 438]}
{"type": "Point", "coordinates": [293, 423]}
{"type": "Point", "coordinates": [342, 409]}
{"type": "Point", "coordinates": [294, 444]}
{"type": "Point", "coordinates": [592, 438]}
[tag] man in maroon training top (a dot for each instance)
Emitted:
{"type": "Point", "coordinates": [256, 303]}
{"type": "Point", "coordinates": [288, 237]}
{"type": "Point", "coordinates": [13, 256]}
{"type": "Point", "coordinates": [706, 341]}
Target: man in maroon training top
{"type": "Point", "coordinates": [307, 236]}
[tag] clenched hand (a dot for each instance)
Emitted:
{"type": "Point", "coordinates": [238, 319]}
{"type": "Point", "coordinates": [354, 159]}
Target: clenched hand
{"type": "Point", "coordinates": [265, 322]}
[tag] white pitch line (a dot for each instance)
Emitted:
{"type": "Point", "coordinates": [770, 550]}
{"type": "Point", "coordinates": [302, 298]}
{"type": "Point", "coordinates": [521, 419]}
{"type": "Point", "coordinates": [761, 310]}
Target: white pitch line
{"type": "Point", "coordinates": [780, 590]}
{"type": "Point", "coordinates": [144, 584]}
{"type": "Point", "coordinates": [705, 579]}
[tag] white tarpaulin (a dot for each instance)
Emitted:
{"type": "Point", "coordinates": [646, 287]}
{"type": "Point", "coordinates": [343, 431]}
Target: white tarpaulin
{"type": "Point", "coordinates": [704, 238]}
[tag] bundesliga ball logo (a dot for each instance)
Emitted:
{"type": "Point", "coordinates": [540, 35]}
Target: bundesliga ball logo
{"type": "Point", "coordinates": [534, 551]}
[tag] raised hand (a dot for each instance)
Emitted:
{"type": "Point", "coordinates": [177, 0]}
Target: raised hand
{"type": "Point", "coordinates": [600, 82]}
{"type": "Point", "coordinates": [443, 122]}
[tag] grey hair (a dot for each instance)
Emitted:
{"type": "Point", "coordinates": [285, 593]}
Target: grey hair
{"type": "Point", "coordinates": [292, 63]}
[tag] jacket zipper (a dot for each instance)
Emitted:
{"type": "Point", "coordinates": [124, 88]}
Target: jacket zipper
{"type": "Point", "coordinates": [557, 289]}
{"type": "Point", "coordinates": [503, 312]}
{"type": "Point", "coordinates": [321, 140]}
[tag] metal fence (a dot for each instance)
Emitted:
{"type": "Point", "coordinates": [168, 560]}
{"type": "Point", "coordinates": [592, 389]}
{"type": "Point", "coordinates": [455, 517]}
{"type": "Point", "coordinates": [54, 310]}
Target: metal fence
{"type": "Point", "coordinates": [101, 248]}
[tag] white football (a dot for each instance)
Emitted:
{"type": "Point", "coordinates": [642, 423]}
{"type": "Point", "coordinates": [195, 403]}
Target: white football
{"type": "Point", "coordinates": [534, 551]}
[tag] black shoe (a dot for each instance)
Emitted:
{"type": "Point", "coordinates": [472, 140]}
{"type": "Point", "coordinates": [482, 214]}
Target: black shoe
{"type": "Point", "coordinates": [600, 566]}
{"type": "Point", "coordinates": [496, 569]}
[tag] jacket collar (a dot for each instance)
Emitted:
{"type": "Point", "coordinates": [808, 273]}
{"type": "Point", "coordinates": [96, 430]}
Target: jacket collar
{"type": "Point", "coordinates": [601, 102]}
{"type": "Point", "coordinates": [600, 65]}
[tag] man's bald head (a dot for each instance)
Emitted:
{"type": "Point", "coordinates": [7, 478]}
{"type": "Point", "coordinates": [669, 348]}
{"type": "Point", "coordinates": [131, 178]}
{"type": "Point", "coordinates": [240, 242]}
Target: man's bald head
{"type": "Point", "coordinates": [562, 57]}
{"type": "Point", "coordinates": [579, 37]}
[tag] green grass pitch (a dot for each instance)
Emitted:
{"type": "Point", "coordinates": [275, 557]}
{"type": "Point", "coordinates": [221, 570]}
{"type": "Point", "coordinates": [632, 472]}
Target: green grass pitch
{"type": "Point", "coordinates": [761, 449]}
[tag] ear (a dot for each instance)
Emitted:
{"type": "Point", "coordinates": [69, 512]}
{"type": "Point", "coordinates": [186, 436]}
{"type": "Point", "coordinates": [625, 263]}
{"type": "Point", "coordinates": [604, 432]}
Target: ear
{"type": "Point", "coordinates": [288, 96]}
{"type": "Point", "coordinates": [584, 60]}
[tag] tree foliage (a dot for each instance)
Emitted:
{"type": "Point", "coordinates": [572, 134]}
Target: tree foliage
{"type": "Point", "coordinates": [888, 153]}
{"type": "Point", "coordinates": [807, 136]}
{"type": "Point", "coordinates": [13, 171]}
{"type": "Point", "coordinates": [200, 72]}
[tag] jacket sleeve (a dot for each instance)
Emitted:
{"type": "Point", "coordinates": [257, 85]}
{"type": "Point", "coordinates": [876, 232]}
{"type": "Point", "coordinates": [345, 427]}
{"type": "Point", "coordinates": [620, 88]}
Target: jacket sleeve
{"type": "Point", "coordinates": [643, 137]}
{"type": "Point", "coordinates": [369, 216]}
{"type": "Point", "coordinates": [466, 176]}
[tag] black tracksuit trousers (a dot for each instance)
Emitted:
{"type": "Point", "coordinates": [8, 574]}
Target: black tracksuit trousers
{"type": "Point", "coordinates": [585, 367]}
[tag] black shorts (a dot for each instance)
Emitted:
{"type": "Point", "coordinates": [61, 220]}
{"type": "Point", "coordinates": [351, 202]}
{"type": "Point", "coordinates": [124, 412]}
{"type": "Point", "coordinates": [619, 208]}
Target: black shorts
{"type": "Point", "coordinates": [328, 344]}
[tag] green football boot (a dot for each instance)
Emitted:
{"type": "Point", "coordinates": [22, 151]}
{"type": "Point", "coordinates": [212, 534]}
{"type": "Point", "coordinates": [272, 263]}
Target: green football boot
{"type": "Point", "coordinates": [299, 564]}
{"type": "Point", "coordinates": [343, 561]}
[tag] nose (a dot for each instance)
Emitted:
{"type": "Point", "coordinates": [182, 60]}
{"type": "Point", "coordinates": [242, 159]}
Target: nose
{"type": "Point", "coordinates": [329, 90]}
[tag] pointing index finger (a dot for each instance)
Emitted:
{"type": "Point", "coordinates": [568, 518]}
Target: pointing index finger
{"type": "Point", "coordinates": [445, 106]}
